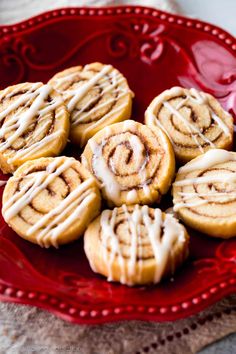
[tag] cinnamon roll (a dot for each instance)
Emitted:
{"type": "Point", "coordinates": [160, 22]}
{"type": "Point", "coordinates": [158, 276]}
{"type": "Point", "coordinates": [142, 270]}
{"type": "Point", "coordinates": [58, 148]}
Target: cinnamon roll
{"type": "Point", "coordinates": [96, 95]}
{"type": "Point", "coordinates": [194, 121]}
{"type": "Point", "coordinates": [135, 244]}
{"type": "Point", "coordinates": [50, 201]}
{"type": "Point", "coordinates": [204, 193]}
{"type": "Point", "coordinates": [34, 123]}
{"type": "Point", "coordinates": [134, 163]}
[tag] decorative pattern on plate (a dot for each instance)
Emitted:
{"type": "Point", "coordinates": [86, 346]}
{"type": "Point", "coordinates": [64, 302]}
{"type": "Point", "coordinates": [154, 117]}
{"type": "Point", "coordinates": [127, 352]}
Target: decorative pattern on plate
{"type": "Point", "coordinates": [205, 59]}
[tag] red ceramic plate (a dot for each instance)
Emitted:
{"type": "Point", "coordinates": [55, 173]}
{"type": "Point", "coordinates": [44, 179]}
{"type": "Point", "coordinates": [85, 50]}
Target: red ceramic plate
{"type": "Point", "coordinates": [155, 51]}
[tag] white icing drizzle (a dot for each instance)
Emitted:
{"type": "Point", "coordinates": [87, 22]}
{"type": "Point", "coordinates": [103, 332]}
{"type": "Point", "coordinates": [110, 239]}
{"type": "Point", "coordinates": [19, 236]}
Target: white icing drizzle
{"type": "Point", "coordinates": [221, 124]}
{"type": "Point", "coordinates": [132, 196]}
{"type": "Point", "coordinates": [201, 98]}
{"type": "Point", "coordinates": [78, 94]}
{"type": "Point", "coordinates": [108, 220]}
{"type": "Point", "coordinates": [109, 182]}
{"type": "Point", "coordinates": [83, 89]}
{"type": "Point", "coordinates": [56, 102]}
{"type": "Point", "coordinates": [210, 193]}
{"type": "Point", "coordinates": [59, 80]}
{"type": "Point", "coordinates": [154, 233]}
{"type": "Point", "coordinates": [195, 96]}
{"type": "Point", "coordinates": [24, 98]}
{"type": "Point", "coordinates": [100, 122]}
{"type": "Point", "coordinates": [147, 190]}
{"type": "Point", "coordinates": [39, 145]}
{"type": "Point", "coordinates": [24, 120]}
{"type": "Point", "coordinates": [171, 211]}
{"type": "Point", "coordinates": [111, 186]}
{"type": "Point", "coordinates": [145, 186]}
{"type": "Point", "coordinates": [134, 220]}
{"type": "Point", "coordinates": [20, 121]}
{"type": "Point", "coordinates": [77, 118]}
{"type": "Point", "coordinates": [136, 147]}
{"type": "Point", "coordinates": [158, 123]}
{"type": "Point", "coordinates": [209, 159]}
{"type": "Point", "coordinates": [161, 246]}
{"type": "Point", "coordinates": [74, 204]}
{"type": "Point", "coordinates": [190, 195]}
{"type": "Point", "coordinates": [192, 129]}
{"type": "Point", "coordinates": [183, 204]}
{"type": "Point", "coordinates": [52, 224]}
{"type": "Point", "coordinates": [129, 124]}
{"type": "Point", "coordinates": [206, 179]}
{"type": "Point", "coordinates": [40, 181]}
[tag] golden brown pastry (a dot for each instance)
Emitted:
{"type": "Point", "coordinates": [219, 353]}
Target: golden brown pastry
{"type": "Point", "coordinates": [204, 193]}
{"type": "Point", "coordinates": [135, 244]}
{"type": "Point", "coordinates": [50, 201]}
{"type": "Point", "coordinates": [134, 163]}
{"type": "Point", "coordinates": [194, 121]}
{"type": "Point", "coordinates": [34, 123]}
{"type": "Point", "coordinates": [96, 95]}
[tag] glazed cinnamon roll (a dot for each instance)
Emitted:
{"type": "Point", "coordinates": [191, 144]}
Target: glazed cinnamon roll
{"type": "Point", "coordinates": [96, 95]}
{"type": "Point", "coordinates": [135, 244]}
{"type": "Point", "coordinates": [204, 193]}
{"type": "Point", "coordinates": [34, 123]}
{"type": "Point", "coordinates": [194, 121]}
{"type": "Point", "coordinates": [134, 163]}
{"type": "Point", "coordinates": [50, 201]}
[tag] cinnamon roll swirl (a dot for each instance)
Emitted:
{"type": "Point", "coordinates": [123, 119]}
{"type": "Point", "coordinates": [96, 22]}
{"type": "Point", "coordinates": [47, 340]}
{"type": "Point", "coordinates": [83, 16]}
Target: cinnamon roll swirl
{"type": "Point", "coordinates": [96, 95]}
{"type": "Point", "coordinates": [194, 121]}
{"type": "Point", "coordinates": [34, 123]}
{"type": "Point", "coordinates": [135, 244]}
{"type": "Point", "coordinates": [204, 193]}
{"type": "Point", "coordinates": [50, 201]}
{"type": "Point", "coordinates": [134, 163]}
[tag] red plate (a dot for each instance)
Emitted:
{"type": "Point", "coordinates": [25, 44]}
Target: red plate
{"type": "Point", "coordinates": [155, 51]}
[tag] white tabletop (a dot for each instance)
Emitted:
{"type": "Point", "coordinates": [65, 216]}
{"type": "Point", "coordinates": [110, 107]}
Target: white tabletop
{"type": "Point", "coordinates": [220, 12]}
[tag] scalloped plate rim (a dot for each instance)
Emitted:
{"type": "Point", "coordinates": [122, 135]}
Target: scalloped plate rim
{"type": "Point", "coordinates": [114, 13]}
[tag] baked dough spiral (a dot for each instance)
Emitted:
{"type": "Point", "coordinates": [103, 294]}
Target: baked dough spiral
{"type": "Point", "coordinates": [135, 244]}
{"type": "Point", "coordinates": [34, 123]}
{"type": "Point", "coordinates": [204, 193]}
{"type": "Point", "coordinates": [194, 121]}
{"type": "Point", "coordinates": [96, 95]}
{"type": "Point", "coordinates": [50, 201]}
{"type": "Point", "coordinates": [134, 163]}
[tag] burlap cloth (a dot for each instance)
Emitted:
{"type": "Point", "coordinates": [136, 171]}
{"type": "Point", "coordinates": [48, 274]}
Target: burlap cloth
{"type": "Point", "coordinates": [30, 330]}
{"type": "Point", "coordinates": [26, 329]}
